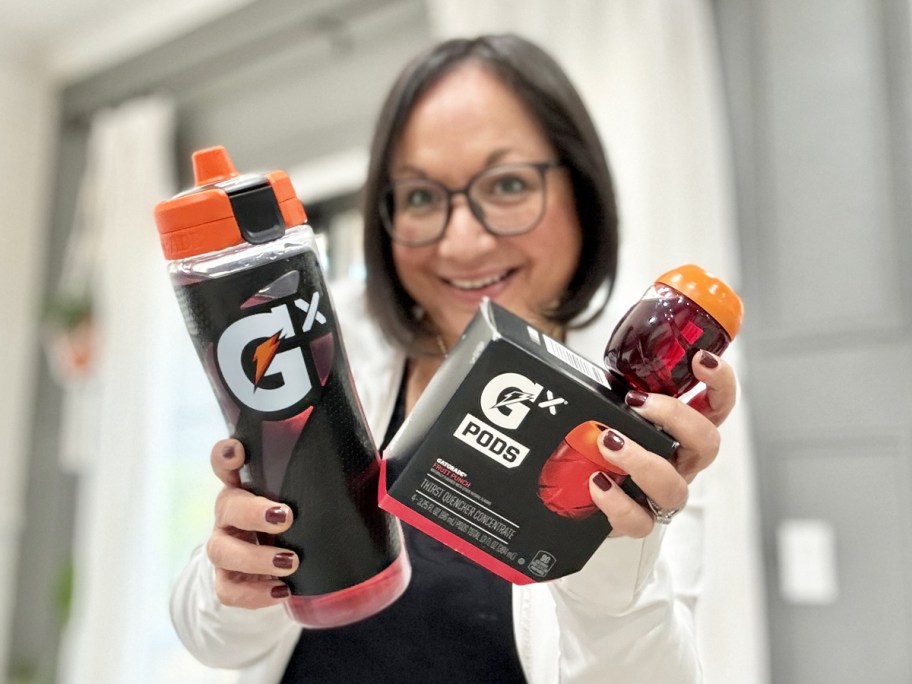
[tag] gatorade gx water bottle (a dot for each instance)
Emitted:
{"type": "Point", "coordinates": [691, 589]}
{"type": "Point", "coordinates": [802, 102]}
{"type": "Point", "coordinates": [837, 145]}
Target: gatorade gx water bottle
{"type": "Point", "coordinates": [245, 268]}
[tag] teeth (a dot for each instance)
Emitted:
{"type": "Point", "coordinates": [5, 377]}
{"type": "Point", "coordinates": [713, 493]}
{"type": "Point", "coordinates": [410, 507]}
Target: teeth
{"type": "Point", "coordinates": [477, 284]}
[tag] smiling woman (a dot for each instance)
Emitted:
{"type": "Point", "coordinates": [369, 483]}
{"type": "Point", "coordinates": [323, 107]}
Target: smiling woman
{"type": "Point", "coordinates": [486, 179]}
{"type": "Point", "coordinates": [438, 131]}
{"type": "Point", "coordinates": [448, 137]}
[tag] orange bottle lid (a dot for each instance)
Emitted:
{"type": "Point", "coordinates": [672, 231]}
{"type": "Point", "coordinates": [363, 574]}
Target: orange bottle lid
{"type": "Point", "coordinates": [203, 218]}
{"type": "Point", "coordinates": [709, 292]}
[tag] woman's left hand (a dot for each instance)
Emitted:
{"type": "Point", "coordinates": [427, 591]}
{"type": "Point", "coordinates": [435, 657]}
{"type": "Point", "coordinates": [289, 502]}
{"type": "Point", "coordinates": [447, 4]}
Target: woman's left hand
{"type": "Point", "coordinates": [693, 424]}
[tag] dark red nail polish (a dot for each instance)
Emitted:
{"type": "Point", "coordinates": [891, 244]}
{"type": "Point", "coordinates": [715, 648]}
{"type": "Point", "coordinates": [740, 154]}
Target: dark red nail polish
{"type": "Point", "coordinates": [283, 560]}
{"type": "Point", "coordinates": [708, 360]}
{"type": "Point", "coordinates": [602, 481]}
{"type": "Point", "coordinates": [281, 591]}
{"type": "Point", "coordinates": [635, 398]}
{"type": "Point", "coordinates": [612, 440]}
{"type": "Point", "coordinates": [276, 515]}
{"type": "Point", "coordinates": [228, 452]}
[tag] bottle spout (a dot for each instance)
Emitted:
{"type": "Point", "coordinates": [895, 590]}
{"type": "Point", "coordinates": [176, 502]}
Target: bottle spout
{"type": "Point", "coordinates": [212, 165]}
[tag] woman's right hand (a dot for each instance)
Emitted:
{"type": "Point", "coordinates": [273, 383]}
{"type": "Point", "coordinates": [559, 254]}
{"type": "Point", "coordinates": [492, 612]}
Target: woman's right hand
{"type": "Point", "coordinates": [246, 573]}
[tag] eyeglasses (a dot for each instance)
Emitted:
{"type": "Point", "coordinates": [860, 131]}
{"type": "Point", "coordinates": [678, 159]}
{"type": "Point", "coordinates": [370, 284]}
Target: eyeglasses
{"type": "Point", "coordinates": [508, 199]}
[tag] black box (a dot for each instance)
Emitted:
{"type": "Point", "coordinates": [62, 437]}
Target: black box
{"type": "Point", "coordinates": [478, 463]}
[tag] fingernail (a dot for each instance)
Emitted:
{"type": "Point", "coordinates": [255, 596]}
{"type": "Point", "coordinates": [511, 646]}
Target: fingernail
{"type": "Point", "coordinates": [276, 515]}
{"type": "Point", "coordinates": [602, 481]}
{"type": "Point", "coordinates": [708, 360]}
{"type": "Point", "coordinates": [635, 398]}
{"type": "Point", "coordinates": [281, 591]}
{"type": "Point", "coordinates": [228, 451]}
{"type": "Point", "coordinates": [283, 560]}
{"type": "Point", "coordinates": [612, 440]}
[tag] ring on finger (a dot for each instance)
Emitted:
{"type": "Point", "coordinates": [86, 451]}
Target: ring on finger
{"type": "Point", "coordinates": [663, 516]}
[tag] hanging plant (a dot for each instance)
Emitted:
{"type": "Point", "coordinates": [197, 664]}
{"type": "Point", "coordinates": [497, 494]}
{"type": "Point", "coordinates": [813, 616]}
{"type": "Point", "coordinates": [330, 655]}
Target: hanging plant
{"type": "Point", "coordinates": [68, 312]}
{"type": "Point", "coordinates": [69, 336]}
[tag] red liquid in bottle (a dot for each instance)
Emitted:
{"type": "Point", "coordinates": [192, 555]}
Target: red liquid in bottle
{"type": "Point", "coordinates": [654, 346]}
{"type": "Point", "coordinates": [687, 310]}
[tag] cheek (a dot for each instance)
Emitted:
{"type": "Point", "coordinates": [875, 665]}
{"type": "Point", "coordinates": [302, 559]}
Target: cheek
{"type": "Point", "coordinates": [560, 247]}
{"type": "Point", "coordinates": [408, 263]}
{"type": "Point", "coordinates": [560, 264]}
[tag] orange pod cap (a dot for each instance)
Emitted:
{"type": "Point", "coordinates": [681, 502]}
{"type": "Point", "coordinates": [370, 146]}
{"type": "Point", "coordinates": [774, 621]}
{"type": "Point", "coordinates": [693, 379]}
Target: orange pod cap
{"type": "Point", "coordinates": [709, 292]}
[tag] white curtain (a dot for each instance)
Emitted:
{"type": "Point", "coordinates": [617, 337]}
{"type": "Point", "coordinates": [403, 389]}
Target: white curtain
{"type": "Point", "coordinates": [649, 72]}
{"type": "Point", "coordinates": [119, 433]}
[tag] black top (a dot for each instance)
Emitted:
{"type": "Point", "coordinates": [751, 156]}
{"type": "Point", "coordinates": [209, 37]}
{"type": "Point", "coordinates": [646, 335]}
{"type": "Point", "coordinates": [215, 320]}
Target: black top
{"type": "Point", "coordinates": [453, 623]}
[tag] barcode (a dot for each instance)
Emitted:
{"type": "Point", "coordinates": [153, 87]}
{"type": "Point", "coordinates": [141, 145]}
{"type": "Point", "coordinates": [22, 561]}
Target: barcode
{"type": "Point", "coordinates": [576, 361]}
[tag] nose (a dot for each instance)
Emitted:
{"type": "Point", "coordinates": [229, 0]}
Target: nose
{"type": "Point", "coordinates": [465, 237]}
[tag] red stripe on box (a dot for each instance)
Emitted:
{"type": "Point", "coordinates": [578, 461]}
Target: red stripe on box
{"type": "Point", "coordinates": [455, 542]}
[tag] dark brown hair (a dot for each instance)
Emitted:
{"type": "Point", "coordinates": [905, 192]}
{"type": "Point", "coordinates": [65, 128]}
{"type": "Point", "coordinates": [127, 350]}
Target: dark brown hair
{"type": "Point", "coordinates": [543, 87]}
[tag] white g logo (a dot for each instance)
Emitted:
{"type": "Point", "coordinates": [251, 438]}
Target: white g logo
{"type": "Point", "coordinates": [503, 399]}
{"type": "Point", "coordinates": [290, 364]}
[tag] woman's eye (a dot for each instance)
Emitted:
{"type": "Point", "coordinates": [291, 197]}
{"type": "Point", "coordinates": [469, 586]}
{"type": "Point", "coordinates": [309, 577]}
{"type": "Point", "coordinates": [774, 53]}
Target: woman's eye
{"type": "Point", "coordinates": [419, 198]}
{"type": "Point", "coordinates": [508, 185]}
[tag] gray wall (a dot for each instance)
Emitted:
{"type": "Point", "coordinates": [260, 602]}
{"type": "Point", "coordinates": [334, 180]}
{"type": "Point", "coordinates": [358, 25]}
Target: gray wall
{"type": "Point", "coordinates": [821, 104]}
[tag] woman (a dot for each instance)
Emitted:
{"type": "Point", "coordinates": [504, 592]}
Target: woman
{"type": "Point", "coordinates": [487, 178]}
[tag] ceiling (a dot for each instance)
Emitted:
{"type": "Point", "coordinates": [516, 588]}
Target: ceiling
{"type": "Point", "coordinates": [29, 27]}
{"type": "Point", "coordinates": [72, 37]}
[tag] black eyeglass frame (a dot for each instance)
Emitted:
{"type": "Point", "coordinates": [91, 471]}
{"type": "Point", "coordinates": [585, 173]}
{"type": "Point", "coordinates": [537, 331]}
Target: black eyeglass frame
{"type": "Point", "coordinates": [388, 220]}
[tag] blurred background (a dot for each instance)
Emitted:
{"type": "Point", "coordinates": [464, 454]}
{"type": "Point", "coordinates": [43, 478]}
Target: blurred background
{"type": "Point", "coordinates": [769, 140]}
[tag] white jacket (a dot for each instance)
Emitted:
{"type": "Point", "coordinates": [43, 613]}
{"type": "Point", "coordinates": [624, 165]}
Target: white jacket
{"type": "Point", "coordinates": [618, 620]}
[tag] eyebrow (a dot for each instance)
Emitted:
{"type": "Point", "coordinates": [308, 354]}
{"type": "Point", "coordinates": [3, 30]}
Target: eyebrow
{"type": "Point", "coordinates": [493, 158]}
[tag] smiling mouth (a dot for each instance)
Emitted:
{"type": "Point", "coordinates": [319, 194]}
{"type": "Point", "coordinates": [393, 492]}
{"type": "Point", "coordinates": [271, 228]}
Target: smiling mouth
{"type": "Point", "coordinates": [479, 283]}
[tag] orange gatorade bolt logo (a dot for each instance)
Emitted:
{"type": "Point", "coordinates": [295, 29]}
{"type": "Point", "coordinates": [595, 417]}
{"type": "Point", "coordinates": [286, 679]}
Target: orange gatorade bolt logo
{"type": "Point", "coordinates": [246, 369]}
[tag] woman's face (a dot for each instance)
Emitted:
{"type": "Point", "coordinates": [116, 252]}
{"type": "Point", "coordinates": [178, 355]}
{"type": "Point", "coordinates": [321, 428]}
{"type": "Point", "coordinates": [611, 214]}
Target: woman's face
{"type": "Point", "coordinates": [467, 122]}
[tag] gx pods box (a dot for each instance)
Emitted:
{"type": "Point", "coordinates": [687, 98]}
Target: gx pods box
{"type": "Point", "coordinates": [495, 458]}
